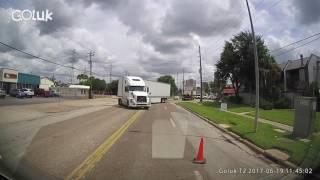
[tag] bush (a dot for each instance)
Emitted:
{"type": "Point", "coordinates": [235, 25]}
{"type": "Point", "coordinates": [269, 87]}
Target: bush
{"type": "Point", "coordinates": [266, 105]}
{"type": "Point", "coordinates": [235, 99]}
{"type": "Point", "coordinates": [282, 103]}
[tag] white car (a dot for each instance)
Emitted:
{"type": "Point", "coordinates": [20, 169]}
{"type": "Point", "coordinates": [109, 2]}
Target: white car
{"type": "Point", "coordinates": [28, 92]}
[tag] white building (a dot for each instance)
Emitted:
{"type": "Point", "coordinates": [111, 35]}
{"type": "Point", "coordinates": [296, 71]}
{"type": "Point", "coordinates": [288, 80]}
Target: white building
{"type": "Point", "coordinates": [8, 79]}
{"type": "Point", "coordinates": [73, 91]}
{"type": "Point", "coordinates": [46, 83]}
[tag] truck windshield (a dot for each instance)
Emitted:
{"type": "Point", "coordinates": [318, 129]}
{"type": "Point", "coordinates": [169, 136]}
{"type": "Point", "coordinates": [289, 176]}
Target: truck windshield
{"type": "Point", "coordinates": [136, 88]}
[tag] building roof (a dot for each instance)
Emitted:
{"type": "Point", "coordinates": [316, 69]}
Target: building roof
{"type": "Point", "coordinates": [296, 64]}
{"type": "Point", "coordinates": [79, 86]}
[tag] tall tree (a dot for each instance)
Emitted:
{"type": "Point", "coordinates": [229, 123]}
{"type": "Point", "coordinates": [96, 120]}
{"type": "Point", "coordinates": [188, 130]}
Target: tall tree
{"type": "Point", "coordinates": [237, 64]}
{"type": "Point", "coordinates": [169, 80]}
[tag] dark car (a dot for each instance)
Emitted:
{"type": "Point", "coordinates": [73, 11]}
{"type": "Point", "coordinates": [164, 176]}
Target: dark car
{"type": "Point", "coordinates": [187, 97]}
{"type": "Point", "coordinates": [17, 93]}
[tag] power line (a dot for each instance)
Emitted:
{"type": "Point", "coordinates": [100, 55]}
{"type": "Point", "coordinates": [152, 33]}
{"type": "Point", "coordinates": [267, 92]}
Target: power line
{"type": "Point", "coordinates": [274, 50]}
{"type": "Point", "coordinates": [218, 42]}
{"type": "Point", "coordinates": [297, 47]}
{"type": "Point", "coordinates": [50, 61]}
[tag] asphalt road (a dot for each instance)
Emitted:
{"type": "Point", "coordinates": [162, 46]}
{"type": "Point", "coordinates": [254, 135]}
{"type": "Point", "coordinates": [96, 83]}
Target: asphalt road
{"type": "Point", "coordinates": [111, 142]}
{"type": "Point", "coordinates": [8, 100]}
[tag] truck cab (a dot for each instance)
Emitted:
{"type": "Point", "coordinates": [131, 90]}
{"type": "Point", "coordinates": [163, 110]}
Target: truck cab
{"type": "Point", "coordinates": [132, 92]}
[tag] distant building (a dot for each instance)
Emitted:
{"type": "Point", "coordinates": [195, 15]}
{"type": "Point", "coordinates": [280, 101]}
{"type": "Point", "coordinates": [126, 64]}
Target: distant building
{"type": "Point", "coordinates": [28, 81]}
{"type": "Point", "coordinates": [298, 74]}
{"type": "Point", "coordinates": [73, 91]}
{"type": "Point", "coordinates": [46, 83]}
{"type": "Point", "coordinates": [190, 87]}
{"type": "Point", "coordinates": [8, 79]}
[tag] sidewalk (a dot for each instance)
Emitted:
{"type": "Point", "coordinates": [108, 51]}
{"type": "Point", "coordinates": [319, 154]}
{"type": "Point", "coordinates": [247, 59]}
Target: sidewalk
{"type": "Point", "coordinates": [276, 124]}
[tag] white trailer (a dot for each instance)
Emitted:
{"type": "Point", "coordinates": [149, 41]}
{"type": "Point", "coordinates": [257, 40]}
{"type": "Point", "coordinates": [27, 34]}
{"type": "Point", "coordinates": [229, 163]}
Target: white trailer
{"type": "Point", "coordinates": [158, 92]}
{"type": "Point", "coordinates": [132, 92]}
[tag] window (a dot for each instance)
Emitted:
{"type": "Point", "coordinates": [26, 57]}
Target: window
{"type": "Point", "coordinates": [126, 89]}
{"type": "Point", "coordinates": [136, 88]}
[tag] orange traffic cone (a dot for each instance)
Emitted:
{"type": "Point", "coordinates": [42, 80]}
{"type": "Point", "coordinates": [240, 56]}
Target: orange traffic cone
{"type": "Point", "coordinates": [200, 159]}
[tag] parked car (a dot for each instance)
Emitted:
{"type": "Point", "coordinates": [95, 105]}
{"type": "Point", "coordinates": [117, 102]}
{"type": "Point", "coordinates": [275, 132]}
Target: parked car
{"type": "Point", "coordinates": [187, 97]}
{"type": "Point", "coordinates": [17, 93]}
{"type": "Point", "coordinates": [28, 92]}
{"type": "Point", "coordinates": [2, 93]}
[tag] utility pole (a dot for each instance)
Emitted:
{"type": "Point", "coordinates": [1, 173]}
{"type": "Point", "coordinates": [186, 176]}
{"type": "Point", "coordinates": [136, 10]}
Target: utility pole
{"type": "Point", "coordinates": [177, 82]}
{"type": "Point", "coordinates": [256, 63]}
{"type": "Point", "coordinates": [90, 63]}
{"type": "Point", "coordinates": [73, 60]}
{"type": "Point", "coordinates": [183, 81]}
{"type": "Point", "coordinates": [110, 75]}
{"type": "Point", "coordinates": [200, 71]}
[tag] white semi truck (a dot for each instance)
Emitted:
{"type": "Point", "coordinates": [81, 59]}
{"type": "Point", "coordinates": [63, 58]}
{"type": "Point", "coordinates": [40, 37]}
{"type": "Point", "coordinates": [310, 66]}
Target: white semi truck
{"type": "Point", "coordinates": [132, 92]}
{"type": "Point", "coordinates": [158, 92]}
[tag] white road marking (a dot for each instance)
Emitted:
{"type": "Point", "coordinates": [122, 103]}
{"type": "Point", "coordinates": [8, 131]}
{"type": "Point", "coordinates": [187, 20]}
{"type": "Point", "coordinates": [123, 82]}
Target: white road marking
{"type": "Point", "coordinates": [197, 175]}
{"type": "Point", "coordinates": [165, 107]}
{"type": "Point", "coordinates": [172, 122]}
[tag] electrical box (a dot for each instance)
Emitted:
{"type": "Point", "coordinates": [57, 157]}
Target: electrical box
{"type": "Point", "coordinates": [305, 116]}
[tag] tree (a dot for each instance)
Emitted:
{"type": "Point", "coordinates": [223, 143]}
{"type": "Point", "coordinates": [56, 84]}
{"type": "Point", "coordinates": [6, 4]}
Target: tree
{"type": "Point", "coordinates": [97, 84]}
{"type": "Point", "coordinates": [169, 80]}
{"type": "Point", "coordinates": [237, 64]}
{"type": "Point", "coordinates": [82, 77]}
{"type": "Point", "coordinates": [112, 87]}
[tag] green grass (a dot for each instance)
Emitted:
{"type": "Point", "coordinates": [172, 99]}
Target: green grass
{"type": "Point", "coordinates": [265, 138]}
{"type": "Point", "coordinates": [238, 108]}
{"type": "Point", "coordinates": [284, 116]}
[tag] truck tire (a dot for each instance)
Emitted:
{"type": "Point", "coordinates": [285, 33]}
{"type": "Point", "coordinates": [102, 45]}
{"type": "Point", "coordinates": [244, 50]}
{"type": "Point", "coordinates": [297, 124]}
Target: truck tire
{"type": "Point", "coordinates": [119, 102]}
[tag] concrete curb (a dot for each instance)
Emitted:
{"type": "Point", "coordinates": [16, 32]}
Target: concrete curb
{"type": "Point", "coordinates": [249, 144]}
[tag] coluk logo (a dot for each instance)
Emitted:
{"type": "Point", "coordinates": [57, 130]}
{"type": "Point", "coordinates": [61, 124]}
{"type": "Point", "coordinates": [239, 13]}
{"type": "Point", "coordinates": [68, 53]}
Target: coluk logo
{"type": "Point", "coordinates": [28, 15]}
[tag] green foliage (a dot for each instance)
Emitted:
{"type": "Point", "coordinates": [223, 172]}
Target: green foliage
{"type": "Point", "coordinates": [264, 104]}
{"type": "Point", "coordinates": [237, 64]}
{"type": "Point", "coordinates": [235, 99]}
{"type": "Point", "coordinates": [97, 84]}
{"type": "Point", "coordinates": [82, 77]}
{"type": "Point", "coordinates": [169, 80]}
{"type": "Point", "coordinates": [112, 88]}
{"type": "Point", "coordinates": [282, 103]}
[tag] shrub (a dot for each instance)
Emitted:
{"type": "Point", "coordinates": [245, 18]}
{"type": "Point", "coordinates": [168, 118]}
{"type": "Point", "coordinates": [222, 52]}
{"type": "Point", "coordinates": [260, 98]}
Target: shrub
{"type": "Point", "coordinates": [264, 104]}
{"type": "Point", "coordinates": [235, 99]}
{"type": "Point", "coordinates": [282, 103]}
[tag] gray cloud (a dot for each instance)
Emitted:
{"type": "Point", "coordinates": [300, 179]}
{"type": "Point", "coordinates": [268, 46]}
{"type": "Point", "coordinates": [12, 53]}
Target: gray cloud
{"type": "Point", "coordinates": [200, 17]}
{"type": "Point", "coordinates": [63, 15]}
{"type": "Point", "coordinates": [307, 11]}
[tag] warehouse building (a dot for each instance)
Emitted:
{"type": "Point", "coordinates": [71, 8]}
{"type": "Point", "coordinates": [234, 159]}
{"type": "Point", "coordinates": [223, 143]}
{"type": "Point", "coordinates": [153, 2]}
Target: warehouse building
{"type": "Point", "coordinates": [30, 81]}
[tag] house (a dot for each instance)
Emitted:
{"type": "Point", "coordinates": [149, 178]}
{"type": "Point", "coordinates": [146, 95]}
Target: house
{"type": "Point", "coordinates": [298, 74]}
{"type": "Point", "coordinates": [46, 83]}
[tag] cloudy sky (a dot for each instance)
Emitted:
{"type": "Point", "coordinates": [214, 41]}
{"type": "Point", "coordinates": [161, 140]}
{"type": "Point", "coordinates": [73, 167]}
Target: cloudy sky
{"type": "Point", "coordinates": [148, 38]}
